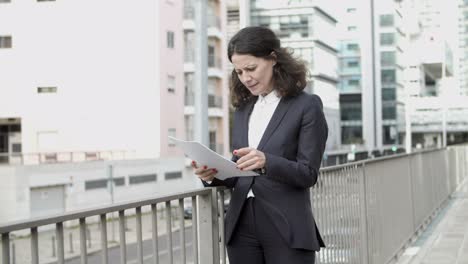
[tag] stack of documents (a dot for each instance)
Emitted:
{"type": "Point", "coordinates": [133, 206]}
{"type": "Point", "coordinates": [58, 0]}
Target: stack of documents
{"type": "Point", "coordinates": [206, 157]}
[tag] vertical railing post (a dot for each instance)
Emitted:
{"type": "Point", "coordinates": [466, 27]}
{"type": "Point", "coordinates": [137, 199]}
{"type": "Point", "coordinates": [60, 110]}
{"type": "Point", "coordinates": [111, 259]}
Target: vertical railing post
{"type": "Point", "coordinates": [83, 251]}
{"type": "Point", "coordinates": [104, 251]}
{"type": "Point", "coordinates": [70, 236]}
{"type": "Point", "coordinates": [53, 247]}
{"type": "Point", "coordinates": [34, 246]}
{"type": "Point", "coordinates": [222, 251]}
{"type": "Point", "coordinates": [154, 218]}
{"type": "Point", "coordinates": [194, 229]}
{"type": "Point", "coordinates": [169, 232]}
{"type": "Point", "coordinates": [123, 243]}
{"type": "Point", "coordinates": [207, 246]}
{"type": "Point", "coordinates": [13, 253]}
{"type": "Point", "coordinates": [5, 248]}
{"type": "Point", "coordinates": [139, 235]}
{"type": "Point", "coordinates": [60, 243]}
{"type": "Point", "coordinates": [363, 216]}
{"type": "Point", "coordinates": [182, 231]}
{"type": "Point", "coordinates": [215, 222]}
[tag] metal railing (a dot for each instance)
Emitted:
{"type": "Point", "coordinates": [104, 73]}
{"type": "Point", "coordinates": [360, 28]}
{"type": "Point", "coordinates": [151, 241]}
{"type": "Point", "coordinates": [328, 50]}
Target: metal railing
{"type": "Point", "coordinates": [214, 101]}
{"type": "Point", "coordinates": [206, 224]}
{"type": "Point", "coordinates": [367, 211]}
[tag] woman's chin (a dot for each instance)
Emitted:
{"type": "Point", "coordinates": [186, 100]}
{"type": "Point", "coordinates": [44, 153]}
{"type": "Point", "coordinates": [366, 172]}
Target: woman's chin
{"type": "Point", "coordinates": [254, 91]}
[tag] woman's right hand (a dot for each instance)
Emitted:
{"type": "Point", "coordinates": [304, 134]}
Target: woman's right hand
{"type": "Point", "coordinates": [203, 172]}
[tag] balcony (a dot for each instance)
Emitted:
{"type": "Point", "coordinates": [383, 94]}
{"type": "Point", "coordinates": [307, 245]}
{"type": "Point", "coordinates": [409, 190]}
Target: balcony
{"type": "Point", "coordinates": [215, 101]}
{"type": "Point", "coordinates": [214, 61]}
{"type": "Point", "coordinates": [357, 206]}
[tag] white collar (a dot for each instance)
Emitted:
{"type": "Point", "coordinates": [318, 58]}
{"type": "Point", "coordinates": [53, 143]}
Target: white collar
{"type": "Point", "coordinates": [272, 97]}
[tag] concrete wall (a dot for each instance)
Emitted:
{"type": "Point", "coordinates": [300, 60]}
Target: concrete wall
{"type": "Point", "coordinates": [18, 180]}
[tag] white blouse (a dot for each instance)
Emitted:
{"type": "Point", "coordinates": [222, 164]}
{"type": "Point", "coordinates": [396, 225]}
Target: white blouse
{"type": "Point", "coordinates": [259, 118]}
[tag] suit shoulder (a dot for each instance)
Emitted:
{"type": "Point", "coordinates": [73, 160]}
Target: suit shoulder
{"type": "Point", "coordinates": [311, 101]}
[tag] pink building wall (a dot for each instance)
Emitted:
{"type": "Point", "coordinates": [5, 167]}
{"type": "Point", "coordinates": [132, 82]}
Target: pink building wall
{"type": "Point", "coordinates": [171, 63]}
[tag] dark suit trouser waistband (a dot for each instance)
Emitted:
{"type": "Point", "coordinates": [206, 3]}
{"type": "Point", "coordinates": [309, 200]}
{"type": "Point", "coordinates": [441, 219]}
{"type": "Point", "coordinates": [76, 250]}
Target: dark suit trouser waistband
{"type": "Point", "coordinates": [257, 241]}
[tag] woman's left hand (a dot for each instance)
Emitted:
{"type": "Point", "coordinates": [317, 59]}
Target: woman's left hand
{"type": "Point", "coordinates": [250, 159]}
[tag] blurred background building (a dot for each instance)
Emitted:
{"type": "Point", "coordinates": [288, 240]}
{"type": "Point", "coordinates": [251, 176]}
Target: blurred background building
{"type": "Point", "coordinates": [218, 91]}
{"type": "Point", "coordinates": [307, 28]}
{"type": "Point", "coordinates": [88, 104]}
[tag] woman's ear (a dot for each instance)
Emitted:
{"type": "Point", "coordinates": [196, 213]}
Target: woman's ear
{"type": "Point", "coordinates": [273, 57]}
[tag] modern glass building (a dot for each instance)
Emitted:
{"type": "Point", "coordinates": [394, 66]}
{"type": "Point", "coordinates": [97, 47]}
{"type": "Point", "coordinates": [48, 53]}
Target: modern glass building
{"type": "Point", "coordinates": [308, 28]}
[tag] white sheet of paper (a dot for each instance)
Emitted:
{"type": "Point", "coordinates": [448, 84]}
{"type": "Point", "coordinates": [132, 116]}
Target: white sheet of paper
{"type": "Point", "coordinates": [205, 156]}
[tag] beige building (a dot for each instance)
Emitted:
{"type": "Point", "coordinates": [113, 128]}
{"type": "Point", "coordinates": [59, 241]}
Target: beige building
{"type": "Point", "coordinates": [218, 91]}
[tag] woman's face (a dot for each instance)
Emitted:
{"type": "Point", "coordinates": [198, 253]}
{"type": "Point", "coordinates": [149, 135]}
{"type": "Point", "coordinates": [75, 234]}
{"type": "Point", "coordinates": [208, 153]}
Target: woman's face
{"type": "Point", "coordinates": [255, 73]}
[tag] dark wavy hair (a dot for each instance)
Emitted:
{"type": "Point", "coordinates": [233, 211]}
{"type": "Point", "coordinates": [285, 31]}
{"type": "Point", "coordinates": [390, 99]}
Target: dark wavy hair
{"type": "Point", "coordinates": [289, 73]}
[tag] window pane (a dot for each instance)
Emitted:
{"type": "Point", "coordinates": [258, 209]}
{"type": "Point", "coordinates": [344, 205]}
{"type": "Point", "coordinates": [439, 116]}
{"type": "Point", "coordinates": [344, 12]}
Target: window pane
{"type": "Point", "coordinates": [95, 184]}
{"type": "Point", "coordinates": [352, 46]}
{"type": "Point", "coordinates": [389, 112]}
{"type": "Point", "coordinates": [172, 175]}
{"type": "Point", "coordinates": [386, 20]}
{"type": "Point", "coordinates": [5, 42]}
{"type": "Point", "coordinates": [142, 178]}
{"type": "Point", "coordinates": [351, 111]}
{"type": "Point", "coordinates": [387, 39]}
{"type": "Point", "coordinates": [388, 76]}
{"type": "Point", "coordinates": [388, 94]}
{"type": "Point", "coordinates": [387, 58]}
{"type": "Point", "coordinates": [389, 134]}
{"type": "Point", "coordinates": [351, 135]}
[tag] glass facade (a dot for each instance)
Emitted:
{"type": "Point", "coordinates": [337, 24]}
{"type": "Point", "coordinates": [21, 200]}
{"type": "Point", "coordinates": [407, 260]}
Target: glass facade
{"type": "Point", "coordinates": [388, 94]}
{"type": "Point", "coordinates": [350, 107]}
{"type": "Point", "coordinates": [389, 110]}
{"type": "Point", "coordinates": [351, 135]}
{"type": "Point", "coordinates": [350, 83]}
{"type": "Point", "coordinates": [288, 26]}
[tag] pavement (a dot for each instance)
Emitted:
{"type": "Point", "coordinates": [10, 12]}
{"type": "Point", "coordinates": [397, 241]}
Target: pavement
{"type": "Point", "coordinates": [445, 241]}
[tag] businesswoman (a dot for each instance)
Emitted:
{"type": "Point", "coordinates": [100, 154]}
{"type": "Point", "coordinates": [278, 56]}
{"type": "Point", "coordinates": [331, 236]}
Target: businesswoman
{"type": "Point", "coordinates": [279, 131]}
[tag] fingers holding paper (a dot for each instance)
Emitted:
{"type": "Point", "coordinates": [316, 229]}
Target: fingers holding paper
{"type": "Point", "coordinates": [250, 158]}
{"type": "Point", "coordinates": [203, 172]}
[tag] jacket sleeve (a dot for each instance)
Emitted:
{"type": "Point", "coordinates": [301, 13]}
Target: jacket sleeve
{"type": "Point", "coordinates": [303, 172]}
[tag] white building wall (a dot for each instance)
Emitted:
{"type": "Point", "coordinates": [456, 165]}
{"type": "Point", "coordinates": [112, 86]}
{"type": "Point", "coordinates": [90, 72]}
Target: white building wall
{"type": "Point", "coordinates": [105, 71]}
{"type": "Point", "coordinates": [17, 182]}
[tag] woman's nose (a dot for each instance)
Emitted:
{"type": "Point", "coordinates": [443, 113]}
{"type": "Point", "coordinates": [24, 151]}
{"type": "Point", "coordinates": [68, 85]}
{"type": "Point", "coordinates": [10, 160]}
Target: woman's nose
{"type": "Point", "coordinates": [247, 78]}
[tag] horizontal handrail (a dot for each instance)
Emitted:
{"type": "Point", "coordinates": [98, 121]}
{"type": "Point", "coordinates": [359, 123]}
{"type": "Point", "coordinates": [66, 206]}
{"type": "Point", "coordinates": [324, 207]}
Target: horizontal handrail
{"type": "Point", "coordinates": [47, 220]}
{"type": "Point", "coordinates": [378, 159]}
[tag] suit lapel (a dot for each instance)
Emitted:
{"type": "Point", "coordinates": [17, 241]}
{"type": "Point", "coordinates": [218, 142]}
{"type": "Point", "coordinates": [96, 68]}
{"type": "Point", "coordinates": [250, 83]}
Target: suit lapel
{"type": "Point", "coordinates": [278, 115]}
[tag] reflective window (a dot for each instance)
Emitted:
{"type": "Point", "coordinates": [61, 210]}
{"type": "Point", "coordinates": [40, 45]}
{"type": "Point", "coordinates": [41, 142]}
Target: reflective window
{"type": "Point", "coordinates": [386, 20]}
{"type": "Point", "coordinates": [351, 135]}
{"type": "Point", "coordinates": [387, 58]}
{"type": "Point", "coordinates": [388, 76]}
{"type": "Point", "coordinates": [387, 39]}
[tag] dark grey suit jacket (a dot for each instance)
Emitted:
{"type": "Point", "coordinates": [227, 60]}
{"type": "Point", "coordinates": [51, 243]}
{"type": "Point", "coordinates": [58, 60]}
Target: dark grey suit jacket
{"type": "Point", "coordinates": [293, 143]}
